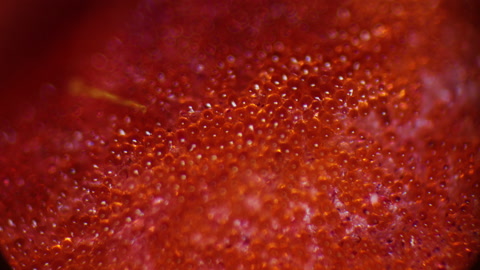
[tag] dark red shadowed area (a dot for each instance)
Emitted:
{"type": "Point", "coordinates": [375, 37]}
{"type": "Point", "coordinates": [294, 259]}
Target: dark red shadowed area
{"type": "Point", "coordinates": [41, 41]}
{"type": "Point", "coordinates": [240, 135]}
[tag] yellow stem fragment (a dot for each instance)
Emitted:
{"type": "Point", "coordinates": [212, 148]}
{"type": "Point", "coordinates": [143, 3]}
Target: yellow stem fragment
{"type": "Point", "coordinates": [79, 88]}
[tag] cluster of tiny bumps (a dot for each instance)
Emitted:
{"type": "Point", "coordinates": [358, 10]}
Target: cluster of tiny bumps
{"type": "Point", "coordinates": [308, 152]}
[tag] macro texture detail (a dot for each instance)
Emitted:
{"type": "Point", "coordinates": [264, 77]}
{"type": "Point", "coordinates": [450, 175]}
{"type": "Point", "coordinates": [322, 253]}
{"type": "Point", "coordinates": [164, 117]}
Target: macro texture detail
{"type": "Point", "coordinates": [254, 135]}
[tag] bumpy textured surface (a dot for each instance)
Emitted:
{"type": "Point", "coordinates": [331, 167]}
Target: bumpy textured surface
{"type": "Point", "coordinates": [255, 135]}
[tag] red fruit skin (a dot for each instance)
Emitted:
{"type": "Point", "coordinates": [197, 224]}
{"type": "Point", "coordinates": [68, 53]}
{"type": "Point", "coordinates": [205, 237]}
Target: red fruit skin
{"type": "Point", "coordinates": [389, 180]}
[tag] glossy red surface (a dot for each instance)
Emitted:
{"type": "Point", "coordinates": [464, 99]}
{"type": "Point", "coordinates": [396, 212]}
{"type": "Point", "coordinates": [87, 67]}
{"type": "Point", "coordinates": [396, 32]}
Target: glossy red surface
{"type": "Point", "coordinates": [252, 135]}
